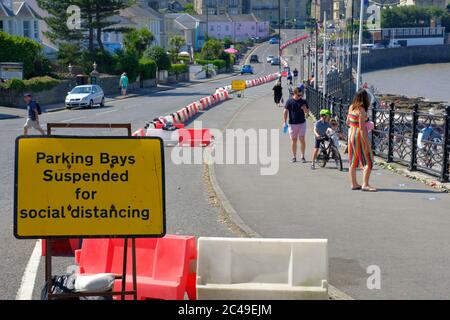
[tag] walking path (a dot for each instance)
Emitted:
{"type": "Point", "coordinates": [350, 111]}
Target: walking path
{"type": "Point", "coordinates": [402, 229]}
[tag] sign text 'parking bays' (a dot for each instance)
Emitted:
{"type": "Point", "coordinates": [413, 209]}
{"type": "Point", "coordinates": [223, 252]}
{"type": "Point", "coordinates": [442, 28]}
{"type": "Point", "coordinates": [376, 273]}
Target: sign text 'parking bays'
{"type": "Point", "coordinates": [89, 187]}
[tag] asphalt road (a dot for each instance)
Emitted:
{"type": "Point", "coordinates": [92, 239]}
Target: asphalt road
{"type": "Point", "coordinates": [188, 208]}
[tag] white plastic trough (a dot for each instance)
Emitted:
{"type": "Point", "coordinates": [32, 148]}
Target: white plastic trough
{"type": "Point", "coordinates": [237, 269]}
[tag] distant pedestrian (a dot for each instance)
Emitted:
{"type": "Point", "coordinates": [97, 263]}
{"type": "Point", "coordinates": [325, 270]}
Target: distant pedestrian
{"type": "Point", "coordinates": [359, 147]}
{"type": "Point", "coordinates": [33, 112]}
{"type": "Point", "coordinates": [295, 75]}
{"type": "Point", "coordinates": [297, 109]}
{"type": "Point", "coordinates": [277, 93]}
{"type": "Point", "coordinates": [123, 83]}
{"type": "Point", "coordinates": [289, 78]}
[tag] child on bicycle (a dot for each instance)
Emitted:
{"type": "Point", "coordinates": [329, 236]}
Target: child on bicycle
{"type": "Point", "coordinates": [320, 132]}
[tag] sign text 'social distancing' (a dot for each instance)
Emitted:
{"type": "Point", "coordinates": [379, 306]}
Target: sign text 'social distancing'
{"type": "Point", "coordinates": [238, 85]}
{"type": "Point", "coordinates": [89, 187]}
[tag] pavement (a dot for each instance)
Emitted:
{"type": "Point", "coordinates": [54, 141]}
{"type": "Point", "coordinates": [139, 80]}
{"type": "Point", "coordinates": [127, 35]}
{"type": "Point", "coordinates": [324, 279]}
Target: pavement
{"type": "Point", "coordinates": [402, 229]}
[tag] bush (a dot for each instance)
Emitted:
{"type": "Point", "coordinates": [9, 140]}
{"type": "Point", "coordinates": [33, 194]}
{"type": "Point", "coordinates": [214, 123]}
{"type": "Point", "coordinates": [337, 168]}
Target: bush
{"type": "Point", "coordinates": [159, 55]}
{"type": "Point", "coordinates": [128, 62]}
{"type": "Point", "coordinates": [21, 49]}
{"type": "Point", "coordinates": [147, 68]}
{"type": "Point", "coordinates": [34, 84]}
{"type": "Point", "coordinates": [220, 64]}
{"type": "Point", "coordinates": [179, 68]}
{"type": "Point", "coordinates": [106, 63]}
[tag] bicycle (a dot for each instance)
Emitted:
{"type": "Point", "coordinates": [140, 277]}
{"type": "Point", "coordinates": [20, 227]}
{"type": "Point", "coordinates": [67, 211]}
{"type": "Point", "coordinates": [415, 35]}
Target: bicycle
{"type": "Point", "coordinates": [328, 150]}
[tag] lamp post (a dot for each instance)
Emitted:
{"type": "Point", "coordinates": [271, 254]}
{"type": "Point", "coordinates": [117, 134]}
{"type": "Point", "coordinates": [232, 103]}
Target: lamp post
{"type": "Point", "coordinates": [279, 35]}
{"type": "Point", "coordinates": [358, 68]}
{"type": "Point", "coordinates": [316, 54]}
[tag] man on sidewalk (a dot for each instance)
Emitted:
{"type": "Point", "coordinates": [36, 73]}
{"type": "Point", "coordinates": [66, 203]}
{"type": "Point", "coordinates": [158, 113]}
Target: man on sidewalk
{"type": "Point", "coordinates": [297, 109]}
{"type": "Point", "coordinates": [33, 115]}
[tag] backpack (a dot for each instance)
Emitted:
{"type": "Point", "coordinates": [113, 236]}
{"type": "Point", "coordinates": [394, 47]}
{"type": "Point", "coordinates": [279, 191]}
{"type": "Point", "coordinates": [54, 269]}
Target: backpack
{"type": "Point", "coordinates": [38, 107]}
{"type": "Point", "coordinates": [60, 284]}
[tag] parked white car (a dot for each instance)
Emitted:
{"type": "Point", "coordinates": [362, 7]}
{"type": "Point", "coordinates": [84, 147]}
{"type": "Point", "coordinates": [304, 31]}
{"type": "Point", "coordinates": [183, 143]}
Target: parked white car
{"type": "Point", "coordinates": [85, 96]}
{"type": "Point", "coordinates": [269, 58]}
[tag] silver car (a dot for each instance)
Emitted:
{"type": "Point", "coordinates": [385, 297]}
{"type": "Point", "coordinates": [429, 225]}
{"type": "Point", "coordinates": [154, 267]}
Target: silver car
{"type": "Point", "coordinates": [85, 96]}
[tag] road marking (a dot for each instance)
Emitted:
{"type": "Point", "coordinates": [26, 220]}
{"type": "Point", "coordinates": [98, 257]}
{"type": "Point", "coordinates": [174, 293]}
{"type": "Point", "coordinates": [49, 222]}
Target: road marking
{"type": "Point", "coordinates": [25, 291]}
{"type": "Point", "coordinates": [100, 113]}
{"type": "Point", "coordinates": [73, 119]}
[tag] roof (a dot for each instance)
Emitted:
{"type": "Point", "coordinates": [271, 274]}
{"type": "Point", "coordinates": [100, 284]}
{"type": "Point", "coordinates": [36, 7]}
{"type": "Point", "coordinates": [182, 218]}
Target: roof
{"type": "Point", "coordinates": [19, 8]}
{"type": "Point", "coordinates": [213, 18]}
{"type": "Point", "coordinates": [22, 7]}
{"type": "Point", "coordinates": [140, 11]}
{"type": "Point", "coordinates": [4, 11]}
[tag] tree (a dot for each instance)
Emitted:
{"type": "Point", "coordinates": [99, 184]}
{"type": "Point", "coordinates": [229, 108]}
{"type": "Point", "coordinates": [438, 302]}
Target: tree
{"type": "Point", "coordinates": [176, 42]}
{"type": "Point", "coordinates": [95, 19]}
{"type": "Point", "coordinates": [159, 55]}
{"type": "Point", "coordinates": [189, 8]}
{"type": "Point", "coordinates": [212, 49]}
{"type": "Point", "coordinates": [138, 40]}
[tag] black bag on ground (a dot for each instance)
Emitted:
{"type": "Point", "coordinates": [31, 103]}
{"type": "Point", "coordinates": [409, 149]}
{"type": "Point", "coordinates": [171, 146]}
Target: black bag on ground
{"type": "Point", "coordinates": [60, 284]}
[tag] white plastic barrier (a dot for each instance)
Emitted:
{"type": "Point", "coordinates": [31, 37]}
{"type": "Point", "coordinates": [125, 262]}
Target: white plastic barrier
{"type": "Point", "coordinates": [238, 268]}
{"type": "Point", "coordinates": [170, 138]}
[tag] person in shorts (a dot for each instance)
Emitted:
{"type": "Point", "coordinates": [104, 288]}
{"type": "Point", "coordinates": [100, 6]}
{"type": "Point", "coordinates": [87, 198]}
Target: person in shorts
{"type": "Point", "coordinates": [32, 115]}
{"type": "Point", "coordinates": [123, 83]}
{"type": "Point", "coordinates": [296, 109]}
{"type": "Point", "coordinates": [320, 133]}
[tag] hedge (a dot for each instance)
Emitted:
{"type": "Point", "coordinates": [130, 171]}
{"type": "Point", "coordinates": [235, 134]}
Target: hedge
{"type": "Point", "coordinates": [179, 68]}
{"type": "Point", "coordinates": [34, 84]}
{"type": "Point", "coordinates": [220, 64]}
{"type": "Point", "coordinates": [21, 49]}
{"type": "Point", "coordinates": [147, 68]}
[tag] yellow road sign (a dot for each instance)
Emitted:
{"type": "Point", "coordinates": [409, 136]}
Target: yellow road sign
{"type": "Point", "coordinates": [238, 85]}
{"type": "Point", "coordinates": [89, 187]}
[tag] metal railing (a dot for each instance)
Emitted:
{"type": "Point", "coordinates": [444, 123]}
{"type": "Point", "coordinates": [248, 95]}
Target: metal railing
{"type": "Point", "coordinates": [418, 140]}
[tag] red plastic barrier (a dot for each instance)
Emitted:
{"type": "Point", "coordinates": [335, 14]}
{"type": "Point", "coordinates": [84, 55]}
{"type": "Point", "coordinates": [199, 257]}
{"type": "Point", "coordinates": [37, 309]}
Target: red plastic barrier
{"type": "Point", "coordinates": [139, 133]}
{"type": "Point", "coordinates": [178, 125]}
{"type": "Point", "coordinates": [61, 247]}
{"type": "Point", "coordinates": [195, 137]}
{"type": "Point", "coordinates": [162, 265]}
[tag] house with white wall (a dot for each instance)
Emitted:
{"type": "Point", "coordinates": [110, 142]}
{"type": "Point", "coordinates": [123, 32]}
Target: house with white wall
{"type": "Point", "coordinates": [138, 16]}
{"type": "Point", "coordinates": [18, 18]}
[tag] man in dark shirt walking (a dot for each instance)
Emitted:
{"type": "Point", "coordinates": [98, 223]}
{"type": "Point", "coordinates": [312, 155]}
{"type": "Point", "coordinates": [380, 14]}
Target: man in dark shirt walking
{"type": "Point", "coordinates": [297, 109]}
{"type": "Point", "coordinates": [33, 115]}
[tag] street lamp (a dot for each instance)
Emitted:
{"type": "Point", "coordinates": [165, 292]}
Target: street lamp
{"type": "Point", "coordinates": [70, 69]}
{"type": "Point", "coordinates": [279, 35]}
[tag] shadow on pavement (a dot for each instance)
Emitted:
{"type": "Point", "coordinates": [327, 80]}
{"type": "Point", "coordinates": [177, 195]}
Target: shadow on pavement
{"type": "Point", "coordinates": [408, 190]}
{"type": "Point", "coordinates": [8, 116]}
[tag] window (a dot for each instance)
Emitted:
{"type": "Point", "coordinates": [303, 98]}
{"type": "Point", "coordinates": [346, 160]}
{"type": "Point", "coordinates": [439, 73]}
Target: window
{"type": "Point", "coordinates": [26, 29]}
{"type": "Point", "coordinates": [1, 25]}
{"type": "Point", "coordinates": [10, 26]}
{"type": "Point", "coordinates": [227, 28]}
{"type": "Point", "coordinates": [211, 28]}
{"type": "Point", "coordinates": [36, 29]}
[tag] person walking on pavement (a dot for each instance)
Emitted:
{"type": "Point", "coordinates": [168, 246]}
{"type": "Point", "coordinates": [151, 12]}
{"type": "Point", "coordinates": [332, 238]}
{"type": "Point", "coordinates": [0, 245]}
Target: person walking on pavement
{"type": "Point", "coordinates": [33, 112]}
{"type": "Point", "coordinates": [297, 109]}
{"type": "Point", "coordinates": [277, 93]}
{"type": "Point", "coordinates": [359, 147]}
{"type": "Point", "coordinates": [124, 83]}
{"type": "Point", "coordinates": [289, 78]}
{"type": "Point", "coordinates": [295, 75]}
